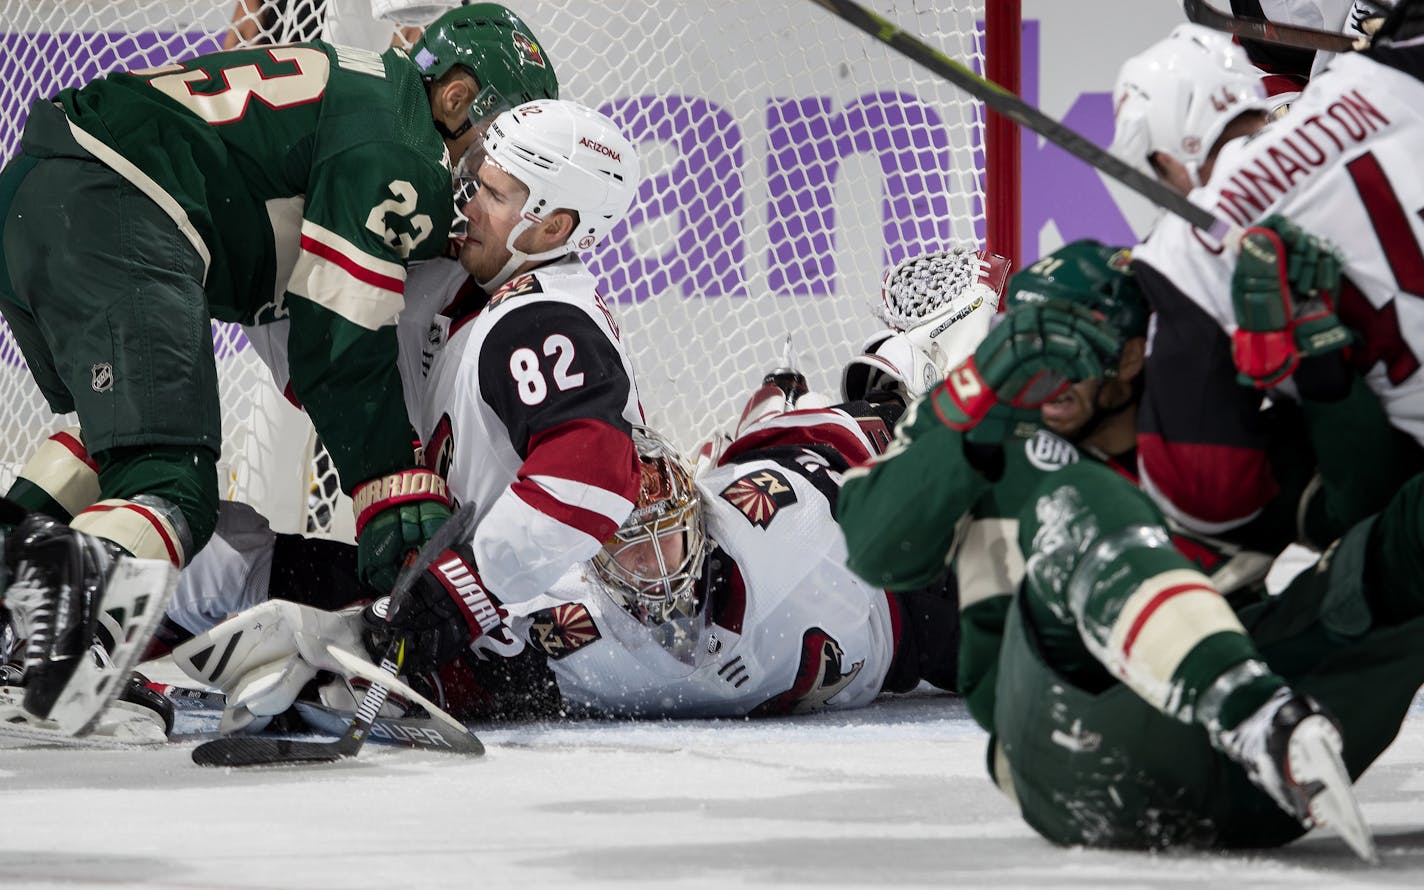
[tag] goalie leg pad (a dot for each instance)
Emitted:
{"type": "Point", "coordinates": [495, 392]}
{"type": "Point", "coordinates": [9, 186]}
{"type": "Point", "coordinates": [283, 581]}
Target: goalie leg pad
{"type": "Point", "coordinates": [257, 659]}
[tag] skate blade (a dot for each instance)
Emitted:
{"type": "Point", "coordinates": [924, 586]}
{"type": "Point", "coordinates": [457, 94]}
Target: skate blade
{"type": "Point", "coordinates": [1315, 758]}
{"type": "Point", "coordinates": [123, 726]}
{"type": "Point", "coordinates": [136, 595]}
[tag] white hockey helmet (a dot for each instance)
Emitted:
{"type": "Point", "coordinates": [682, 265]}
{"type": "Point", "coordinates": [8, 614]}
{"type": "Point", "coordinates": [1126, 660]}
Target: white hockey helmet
{"type": "Point", "coordinates": [1178, 95]}
{"type": "Point", "coordinates": [653, 562]}
{"type": "Point", "coordinates": [570, 157]}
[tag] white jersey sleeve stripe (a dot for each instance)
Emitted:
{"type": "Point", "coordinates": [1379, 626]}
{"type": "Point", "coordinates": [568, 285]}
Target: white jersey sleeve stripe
{"type": "Point", "coordinates": [585, 496]}
{"type": "Point", "coordinates": [333, 279]}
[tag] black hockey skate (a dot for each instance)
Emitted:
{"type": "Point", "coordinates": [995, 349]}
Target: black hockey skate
{"type": "Point", "coordinates": [1291, 749]}
{"type": "Point", "coordinates": [52, 604]}
{"type": "Point", "coordinates": [68, 590]}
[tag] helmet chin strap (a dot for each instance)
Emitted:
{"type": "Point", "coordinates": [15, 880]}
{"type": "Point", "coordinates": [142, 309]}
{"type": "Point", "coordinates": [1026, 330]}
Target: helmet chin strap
{"type": "Point", "coordinates": [518, 258]}
{"type": "Point", "coordinates": [451, 135]}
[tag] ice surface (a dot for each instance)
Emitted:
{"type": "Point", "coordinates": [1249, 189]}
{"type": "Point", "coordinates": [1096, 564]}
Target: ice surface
{"type": "Point", "coordinates": [891, 796]}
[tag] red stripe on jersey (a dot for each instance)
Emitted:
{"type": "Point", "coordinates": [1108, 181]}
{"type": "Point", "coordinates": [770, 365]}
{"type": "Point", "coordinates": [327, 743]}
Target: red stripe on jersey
{"type": "Point", "coordinates": [290, 395]}
{"type": "Point", "coordinates": [897, 620]}
{"type": "Point", "coordinates": [1212, 483]}
{"type": "Point", "coordinates": [586, 451]}
{"type": "Point", "coordinates": [1276, 84]}
{"type": "Point", "coordinates": [729, 607]}
{"type": "Point", "coordinates": [806, 431]}
{"type": "Point", "coordinates": [591, 523]}
{"type": "Point", "coordinates": [1152, 606]}
{"type": "Point", "coordinates": [1202, 556]}
{"type": "Point", "coordinates": [351, 267]}
{"type": "Point", "coordinates": [152, 520]}
{"type": "Point", "coordinates": [76, 448]}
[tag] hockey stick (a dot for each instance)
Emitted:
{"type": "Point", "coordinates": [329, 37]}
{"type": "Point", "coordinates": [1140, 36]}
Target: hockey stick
{"type": "Point", "coordinates": [1202, 13]}
{"type": "Point", "coordinates": [257, 751]}
{"type": "Point", "coordinates": [408, 732]}
{"type": "Point", "coordinates": [1006, 103]}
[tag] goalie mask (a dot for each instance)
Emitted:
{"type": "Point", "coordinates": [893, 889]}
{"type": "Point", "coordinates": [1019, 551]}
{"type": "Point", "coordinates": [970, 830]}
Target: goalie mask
{"type": "Point", "coordinates": [1179, 94]}
{"type": "Point", "coordinates": [652, 564]}
{"type": "Point", "coordinates": [497, 48]}
{"type": "Point", "coordinates": [571, 158]}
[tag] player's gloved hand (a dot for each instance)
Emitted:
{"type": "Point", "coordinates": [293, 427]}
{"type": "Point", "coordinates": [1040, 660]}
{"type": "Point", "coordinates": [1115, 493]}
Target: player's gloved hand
{"type": "Point", "coordinates": [1029, 357]}
{"type": "Point", "coordinates": [395, 515]}
{"type": "Point", "coordinates": [446, 609]}
{"type": "Point", "coordinates": [1283, 294]}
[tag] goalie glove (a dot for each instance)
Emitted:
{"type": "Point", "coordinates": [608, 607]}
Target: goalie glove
{"type": "Point", "coordinates": [1283, 295]}
{"type": "Point", "coordinates": [446, 609]}
{"type": "Point", "coordinates": [939, 306]}
{"type": "Point", "coordinates": [395, 515]}
{"type": "Point", "coordinates": [1034, 352]}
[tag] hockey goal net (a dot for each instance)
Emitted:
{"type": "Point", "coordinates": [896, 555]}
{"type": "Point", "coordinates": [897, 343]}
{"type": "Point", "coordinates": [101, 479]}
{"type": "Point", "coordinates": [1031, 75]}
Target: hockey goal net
{"type": "Point", "coordinates": [788, 159]}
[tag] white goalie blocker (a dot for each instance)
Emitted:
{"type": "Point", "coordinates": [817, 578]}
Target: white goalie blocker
{"type": "Point", "coordinates": [938, 307]}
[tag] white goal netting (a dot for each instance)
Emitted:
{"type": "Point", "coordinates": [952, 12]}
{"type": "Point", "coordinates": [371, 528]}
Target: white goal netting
{"type": "Point", "coordinates": [787, 159]}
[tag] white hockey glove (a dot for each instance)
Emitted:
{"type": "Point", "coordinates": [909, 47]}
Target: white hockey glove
{"type": "Point", "coordinates": [938, 306]}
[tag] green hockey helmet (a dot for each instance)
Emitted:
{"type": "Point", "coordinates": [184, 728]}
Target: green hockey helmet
{"type": "Point", "coordinates": [1090, 274]}
{"type": "Point", "coordinates": [495, 46]}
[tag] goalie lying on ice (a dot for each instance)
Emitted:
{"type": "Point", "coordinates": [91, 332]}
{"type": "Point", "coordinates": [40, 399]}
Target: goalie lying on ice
{"type": "Point", "coordinates": [721, 596]}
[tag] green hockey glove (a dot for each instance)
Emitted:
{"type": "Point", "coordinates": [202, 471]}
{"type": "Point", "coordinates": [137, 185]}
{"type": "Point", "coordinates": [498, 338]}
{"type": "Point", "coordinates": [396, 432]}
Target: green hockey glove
{"type": "Point", "coordinates": [1283, 294]}
{"type": "Point", "coordinates": [1029, 357]}
{"type": "Point", "coordinates": [395, 515]}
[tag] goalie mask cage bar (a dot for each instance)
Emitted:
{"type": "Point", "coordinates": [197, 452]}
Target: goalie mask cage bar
{"type": "Point", "coordinates": [788, 161]}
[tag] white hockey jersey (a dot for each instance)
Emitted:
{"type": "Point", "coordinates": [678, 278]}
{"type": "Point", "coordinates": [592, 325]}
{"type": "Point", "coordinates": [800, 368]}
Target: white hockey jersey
{"type": "Point", "coordinates": [525, 405]}
{"type": "Point", "coordinates": [1342, 164]}
{"type": "Point", "coordinates": [788, 628]}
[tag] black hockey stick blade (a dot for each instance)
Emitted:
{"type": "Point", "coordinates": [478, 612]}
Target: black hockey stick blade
{"type": "Point", "coordinates": [238, 750]}
{"type": "Point", "coordinates": [1012, 107]}
{"type": "Point", "coordinates": [1202, 13]}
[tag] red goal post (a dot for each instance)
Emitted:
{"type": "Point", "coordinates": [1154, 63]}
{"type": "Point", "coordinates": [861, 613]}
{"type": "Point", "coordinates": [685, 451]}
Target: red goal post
{"type": "Point", "coordinates": [787, 158]}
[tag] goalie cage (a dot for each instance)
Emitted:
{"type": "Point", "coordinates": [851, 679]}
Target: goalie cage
{"type": "Point", "coordinates": [789, 160]}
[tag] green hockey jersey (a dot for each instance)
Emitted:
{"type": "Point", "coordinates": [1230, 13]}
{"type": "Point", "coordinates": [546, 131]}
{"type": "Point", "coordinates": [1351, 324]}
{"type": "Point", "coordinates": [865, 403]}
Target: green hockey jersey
{"type": "Point", "coordinates": [306, 176]}
{"type": "Point", "coordinates": [924, 504]}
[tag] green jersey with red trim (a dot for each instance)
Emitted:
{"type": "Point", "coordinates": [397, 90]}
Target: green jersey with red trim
{"type": "Point", "coordinates": [924, 504]}
{"type": "Point", "coordinates": [306, 176]}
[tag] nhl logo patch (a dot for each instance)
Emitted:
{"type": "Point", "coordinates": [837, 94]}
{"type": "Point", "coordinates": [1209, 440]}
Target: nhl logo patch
{"type": "Point", "coordinates": [760, 495]}
{"type": "Point", "coordinates": [563, 630]}
{"type": "Point", "coordinates": [101, 377]}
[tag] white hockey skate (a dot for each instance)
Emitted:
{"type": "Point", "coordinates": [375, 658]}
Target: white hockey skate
{"type": "Point", "coordinates": [1291, 749]}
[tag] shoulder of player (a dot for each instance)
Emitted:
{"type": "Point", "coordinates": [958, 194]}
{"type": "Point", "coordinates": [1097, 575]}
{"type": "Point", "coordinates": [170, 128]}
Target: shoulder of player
{"type": "Point", "coordinates": [775, 484]}
{"type": "Point", "coordinates": [383, 159]}
{"type": "Point", "coordinates": [557, 299]}
{"type": "Point", "coordinates": [1026, 463]}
